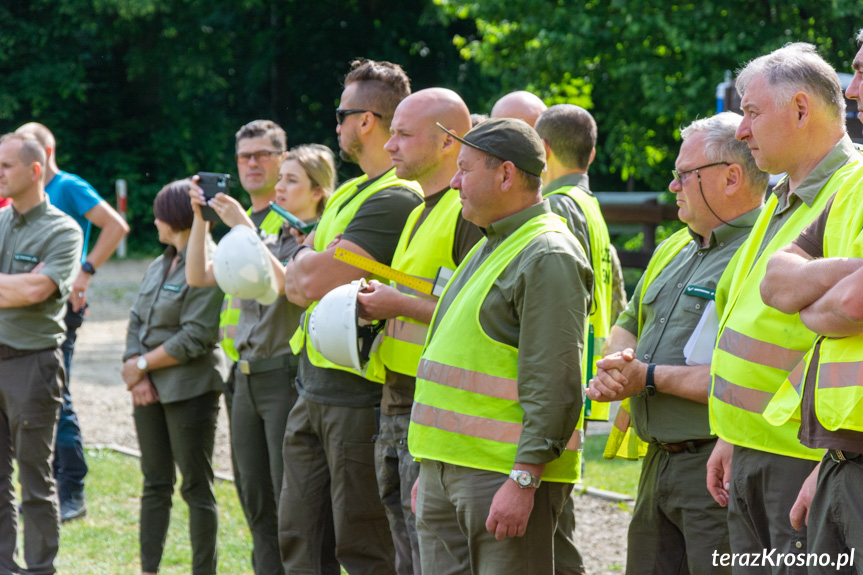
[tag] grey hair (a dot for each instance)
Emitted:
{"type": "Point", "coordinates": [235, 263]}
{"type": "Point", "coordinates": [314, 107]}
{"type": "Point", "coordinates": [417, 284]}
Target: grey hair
{"type": "Point", "coordinates": [797, 67]}
{"type": "Point", "coordinates": [859, 36]}
{"type": "Point", "coordinates": [721, 145]}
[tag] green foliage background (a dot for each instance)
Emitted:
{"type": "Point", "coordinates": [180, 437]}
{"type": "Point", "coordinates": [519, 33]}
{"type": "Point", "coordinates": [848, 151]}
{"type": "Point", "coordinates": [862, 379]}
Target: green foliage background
{"type": "Point", "coordinates": [153, 90]}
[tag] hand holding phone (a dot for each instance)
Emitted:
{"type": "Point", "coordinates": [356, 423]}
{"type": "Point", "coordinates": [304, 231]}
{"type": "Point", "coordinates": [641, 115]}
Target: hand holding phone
{"type": "Point", "coordinates": [292, 220]}
{"type": "Point", "coordinates": [212, 183]}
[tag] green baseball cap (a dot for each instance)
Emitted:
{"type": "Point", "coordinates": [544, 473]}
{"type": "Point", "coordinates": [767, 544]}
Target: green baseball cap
{"type": "Point", "coordinates": [508, 139]}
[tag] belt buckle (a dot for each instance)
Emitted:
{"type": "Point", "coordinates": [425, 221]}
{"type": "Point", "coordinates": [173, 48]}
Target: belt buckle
{"type": "Point", "coordinates": [837, 455]}
{"type": "Point", "coordinates": [245, 368]}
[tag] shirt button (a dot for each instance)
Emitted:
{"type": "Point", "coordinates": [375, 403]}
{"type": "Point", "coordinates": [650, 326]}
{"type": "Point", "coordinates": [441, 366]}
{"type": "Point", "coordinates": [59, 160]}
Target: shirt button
{"type": "Point", "coordinates": [662, 320]}
{"type": "Point", "coordinates": [647, 356]}
{"type": "Point", "coordinates": [698, 306]}
{"type": "Point", "coordinates": [721, 244]}
{"type": "Point", "coordinates": [679, 286]}
{"type": "Point", "coordinates": [799, 544]}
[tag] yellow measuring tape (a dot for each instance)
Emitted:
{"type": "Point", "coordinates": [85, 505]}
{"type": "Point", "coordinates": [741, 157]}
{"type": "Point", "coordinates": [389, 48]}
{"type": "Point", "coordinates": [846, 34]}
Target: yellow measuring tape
{"type": "Point", "coordinates": [383, 271]}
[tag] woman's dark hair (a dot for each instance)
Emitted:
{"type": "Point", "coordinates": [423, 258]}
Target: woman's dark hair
{"type": "Point", "coordinates": [172, 206]}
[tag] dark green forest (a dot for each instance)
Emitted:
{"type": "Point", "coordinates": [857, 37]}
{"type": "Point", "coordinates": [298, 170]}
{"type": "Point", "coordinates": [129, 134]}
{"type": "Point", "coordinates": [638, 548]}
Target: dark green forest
{"type": "Point", "coordinates": [153, 90]}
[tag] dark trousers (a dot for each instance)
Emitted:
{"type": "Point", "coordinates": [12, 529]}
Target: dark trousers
{"type": "Point", "coordinates": [676, 525]}
{"type": "Point", "coordinates": [764, 487]}
{"type": "Point", "coordinates": [567, 557]}
{"type": "Point", "coordinates": [181, 433]}
{"type": "Point", "coordinates": [397, 471]}
{"type": "Point", "coordinates": [330, 486]}
{"type": "Point", "coordinates": [259, 412]}
{"type": "Point", "coordinates": [836, 516]}
{"type": "Point", "coordinates": [70, 467]}
{"type": "Point", "coordinates": [29, 401]}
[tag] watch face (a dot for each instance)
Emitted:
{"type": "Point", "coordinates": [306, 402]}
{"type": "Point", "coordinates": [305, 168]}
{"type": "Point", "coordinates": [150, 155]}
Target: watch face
{"type": "Point", "coordinates": [523, 479]}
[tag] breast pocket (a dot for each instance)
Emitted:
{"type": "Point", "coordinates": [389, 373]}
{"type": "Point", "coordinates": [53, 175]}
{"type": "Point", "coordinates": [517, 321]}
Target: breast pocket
{"type": "Point", "coordinates": [169, 305]}
{"type": "Point", "coordinates": [24, 263]}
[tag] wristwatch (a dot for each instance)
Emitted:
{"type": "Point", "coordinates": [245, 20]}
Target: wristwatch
{"type": "Point", "coordinates": [524, 479]}
{"type": "Point", "coordinates": [87, 267]}
{"type": "Point", "coordinates": [649, 382]}
{"type": "Point", "coordinates": [142, 363]}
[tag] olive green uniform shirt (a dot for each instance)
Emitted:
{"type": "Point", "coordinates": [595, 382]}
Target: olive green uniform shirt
{"type": "Point", "coordinates": [673, 306]}
{"type": "Point", "coordinates": [185, 321]}
{"type": "Point", "coordinates": [42, 235]}
{"type": "Point", "coordinates": [265, 330]}
{"type": "Point", "coordinates": [539, 304]}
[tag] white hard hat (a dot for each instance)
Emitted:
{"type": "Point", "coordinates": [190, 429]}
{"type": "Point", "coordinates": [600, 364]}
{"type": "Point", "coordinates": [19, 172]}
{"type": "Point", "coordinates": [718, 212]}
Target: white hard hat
{"type": "Point", "coordinates": [338, 332]}
{"type": "Point", "coordinates": [242, 267]}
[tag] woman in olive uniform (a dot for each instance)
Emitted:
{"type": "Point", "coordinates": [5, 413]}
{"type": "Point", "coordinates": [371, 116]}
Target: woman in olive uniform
{"type": "Point", "coordinates": [264, 375]}
{"type": "Point", "coordinates": [175, 372]}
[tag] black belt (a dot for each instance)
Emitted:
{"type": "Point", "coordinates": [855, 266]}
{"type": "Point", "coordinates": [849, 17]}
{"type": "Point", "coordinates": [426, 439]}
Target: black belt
{"type": "Point", "coordinates": [256, 366]}
{"type": "Point", "coordinates": [682, 446]}
{"type": "Point", "coordinates": [839, 456]}
{"type": "Point", "coordinates": [7, 352]}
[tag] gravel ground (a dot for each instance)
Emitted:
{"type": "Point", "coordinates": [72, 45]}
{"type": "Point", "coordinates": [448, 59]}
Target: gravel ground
{"type": "Point", "coordinates": [104, 409]}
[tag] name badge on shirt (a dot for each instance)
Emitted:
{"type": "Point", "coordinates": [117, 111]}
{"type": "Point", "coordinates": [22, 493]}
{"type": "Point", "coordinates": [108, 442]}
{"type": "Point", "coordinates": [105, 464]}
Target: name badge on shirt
{"type": "Point", "coordinates": [26, 258]}
{"type": "Point", "coordinates": [702, 292]}
{"type": "Point", "coordinates": [172, 287]}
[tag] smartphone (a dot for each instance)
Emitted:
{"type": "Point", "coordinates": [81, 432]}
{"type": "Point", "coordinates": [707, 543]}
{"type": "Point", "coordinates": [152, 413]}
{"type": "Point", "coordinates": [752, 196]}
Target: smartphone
{"type": "Point", "coordinates": [212, 184]}
{"type": "Point", "coordinates": [292, 220]}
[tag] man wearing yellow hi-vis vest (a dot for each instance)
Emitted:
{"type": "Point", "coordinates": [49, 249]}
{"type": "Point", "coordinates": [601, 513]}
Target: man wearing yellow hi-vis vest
{"type": "Point", "coordinates": [435, 237]}
{"type": "Point", "coordinates": [823, 391]}
{"type": "Point", "coordinates": [329, 450]}
{"type": "Point", "coordinates": [498, 396]}
{"type": "Point", "coordinates": [660, 350]}
{"type": "Point", "coordinates": [568, 135]}
{"type": "Point", "coordinates": [794, 122]}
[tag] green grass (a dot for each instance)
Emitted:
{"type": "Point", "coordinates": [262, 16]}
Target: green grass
{"type": "Point", "coordinates": [106, 541]}
{"type": "Point", "coordinates": [616, 475]}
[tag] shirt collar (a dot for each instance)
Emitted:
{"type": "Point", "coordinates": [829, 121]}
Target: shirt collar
{"type": "Point", "coordinates": [842, 153]}
{"type": "Point", "coordinates": [501, 229]}
{"type": "Point", "coordinates": [32, 214]}
{"type": "Point", "coordinates": [578, 180]}
{"type": "Point", "coordinates": [724, 234]}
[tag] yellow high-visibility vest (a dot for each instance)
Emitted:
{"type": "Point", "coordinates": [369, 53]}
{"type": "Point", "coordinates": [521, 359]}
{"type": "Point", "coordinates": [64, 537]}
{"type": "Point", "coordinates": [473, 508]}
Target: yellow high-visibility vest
{"type": "Point", "coordinates": [758, 346]}
{"type": "Point", "coordinates": [466, 410]}
{"type": "Point", "coordinates": [839, 376]}
{"type": "Point", "coordinates": [340, 210]}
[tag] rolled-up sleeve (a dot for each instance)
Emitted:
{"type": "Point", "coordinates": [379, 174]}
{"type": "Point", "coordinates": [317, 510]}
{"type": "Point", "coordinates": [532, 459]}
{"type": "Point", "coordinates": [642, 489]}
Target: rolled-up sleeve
{"type": "Point", "coordinates": [551, 299]}
{"type": "Point", "coordinates": [199, 324]}
{"type": "Point", "coordinates": [63, 260]}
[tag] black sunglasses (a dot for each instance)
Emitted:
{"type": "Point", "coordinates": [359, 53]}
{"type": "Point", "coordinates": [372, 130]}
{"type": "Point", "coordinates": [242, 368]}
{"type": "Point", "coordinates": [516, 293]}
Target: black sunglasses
{"type": "Point", "coordinates": [342, 114]}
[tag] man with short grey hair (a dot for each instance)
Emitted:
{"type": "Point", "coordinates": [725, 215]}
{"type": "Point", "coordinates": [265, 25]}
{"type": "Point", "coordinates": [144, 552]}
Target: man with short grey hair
{"type": "Point", "coordinates": [794, 122]}
{"type": "Point", "coordinates": [39, 251]}
{"type": "Point", "coordinates": [676, 526]}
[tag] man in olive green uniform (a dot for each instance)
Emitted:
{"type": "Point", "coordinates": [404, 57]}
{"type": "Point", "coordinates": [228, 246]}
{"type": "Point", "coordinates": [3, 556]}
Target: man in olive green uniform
{"type": "Point", "coordinates": [829, 307]}
{"type": "Point", "coordinates": [39, 251]}
{"type": "Point", "coordinates": [329, 450]}
{"type": "Point", "coordinates": [794, 122]}
{"type": "Point", "coordinates": [676, 525]}
{"type": "Point", "coordinates": [436, 236]}
{"type": "Point", "coordinates": [494, 421]}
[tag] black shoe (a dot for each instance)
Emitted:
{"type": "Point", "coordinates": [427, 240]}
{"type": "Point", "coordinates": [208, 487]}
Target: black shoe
{"type": "Point", "coordinates": [72, 508]}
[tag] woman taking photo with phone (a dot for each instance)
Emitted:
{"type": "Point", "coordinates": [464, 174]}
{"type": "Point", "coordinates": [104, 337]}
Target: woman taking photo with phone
{"type": "Point", "coordinates": [175, 373]}
{"type": "Point", "coordinates": [264, 375]}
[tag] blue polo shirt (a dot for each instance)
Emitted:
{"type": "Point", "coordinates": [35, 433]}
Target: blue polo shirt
{"type": "Point", "coordinates": [75, 197]}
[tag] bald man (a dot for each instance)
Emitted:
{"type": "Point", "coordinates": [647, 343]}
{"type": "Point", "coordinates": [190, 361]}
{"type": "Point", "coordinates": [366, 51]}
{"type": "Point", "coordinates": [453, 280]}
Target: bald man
{"type": "Point", "coordinates": [436, 236]}
{"type": "Point", "coordinates": [521, 105]}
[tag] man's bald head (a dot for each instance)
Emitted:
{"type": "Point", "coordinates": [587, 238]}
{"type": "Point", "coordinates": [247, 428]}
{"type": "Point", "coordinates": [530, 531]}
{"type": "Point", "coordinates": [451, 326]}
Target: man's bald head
{"type": "Point", "coordinates": [521, 105]}
{"type": "Point", "coordinates": [418, 148]}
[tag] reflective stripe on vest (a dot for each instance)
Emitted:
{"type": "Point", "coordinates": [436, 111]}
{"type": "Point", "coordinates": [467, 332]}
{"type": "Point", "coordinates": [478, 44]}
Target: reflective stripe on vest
{"type": "Point", "coordinates": [839, 377]}
{"type": "Point", "coordinates": [230, 314]}
{"type": "Point", "coordinates": [466, 410]}
{"type": "Point", "coordinates": [340, 210]}
{"type": "Point", "coordinates": [419, 253]}
{"type": "Point", "coordinates": [758, 346]}
{"type": "Point", "coordinates": [600, 255]}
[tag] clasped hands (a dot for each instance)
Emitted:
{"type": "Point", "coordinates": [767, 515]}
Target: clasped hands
{"type": "Point", "coordinates": [618, 376]}
{"type": "Point", "coordinates": [138, 383]}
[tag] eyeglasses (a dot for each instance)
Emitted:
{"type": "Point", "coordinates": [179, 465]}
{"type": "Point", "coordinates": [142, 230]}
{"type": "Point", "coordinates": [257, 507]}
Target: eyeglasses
{"type": "Point", "coordinates": [678, 176]}
{"type": "Point", "coordinates": [261, 156]}
{"type": "Point", "coordinates": [342, 114]}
